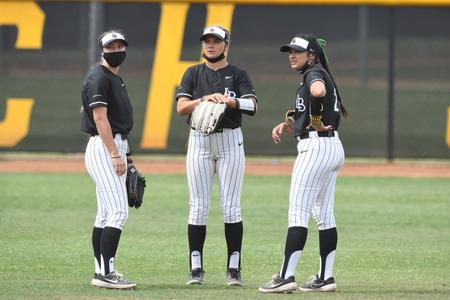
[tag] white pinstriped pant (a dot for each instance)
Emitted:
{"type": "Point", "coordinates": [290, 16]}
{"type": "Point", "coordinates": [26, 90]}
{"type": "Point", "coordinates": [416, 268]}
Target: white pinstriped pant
{"type": "Point", "coordinates": [112, 199]}
{"type": "Point", "coordinates": [221, 153]}
{"type": "Point", "coordinates": [313, 181]}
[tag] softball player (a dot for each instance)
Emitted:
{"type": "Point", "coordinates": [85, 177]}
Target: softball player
{"type": "Point", "coordinates": [107, 116]}
{"type": "Point", "coordinates": [318, 110]}
{"type": "Point", "coordinates": [220, 153]}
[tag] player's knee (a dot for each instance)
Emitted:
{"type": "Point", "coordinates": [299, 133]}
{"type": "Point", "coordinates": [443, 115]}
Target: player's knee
{"type": "Point", "coordinates": [199, 212]}
{"type": "Point", "coordinates": [197, 220]}
{"type": "Point", "coordinates": [198, 216]}
{"type": "Point", "coordinates": [117, 219]}
{"type": "Point", "coordinates": [327, 224]}
{"type": "Point", "coordinates": [232, 215]}
{"type": "Point", "coordinates": [100, 220]}
{"type": "Point", "coordinates": [299, 217]}
{"type": "Point", "coordinates": [298, 223]}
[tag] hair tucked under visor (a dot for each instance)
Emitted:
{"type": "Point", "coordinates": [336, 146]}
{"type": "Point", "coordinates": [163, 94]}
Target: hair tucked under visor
{"type": "Point", "coordinates": [317, 47]}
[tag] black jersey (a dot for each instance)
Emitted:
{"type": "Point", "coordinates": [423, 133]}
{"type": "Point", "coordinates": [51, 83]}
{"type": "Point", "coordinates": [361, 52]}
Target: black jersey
{"type": "Point", "coordinates": [103, 88]}
{"type": "Point", "coordinates": [331, 114]}
{"type": "Point", "coordinates": [199, 80]}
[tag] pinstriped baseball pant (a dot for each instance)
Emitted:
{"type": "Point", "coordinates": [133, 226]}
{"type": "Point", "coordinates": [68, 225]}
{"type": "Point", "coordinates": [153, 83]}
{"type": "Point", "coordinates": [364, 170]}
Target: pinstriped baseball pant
{"type": "Point", "coordinates": [112, 199]}
{"type": "Point", "coordinates": [220, 153]}
{"type": "Point", "coordinates": [313, 181]}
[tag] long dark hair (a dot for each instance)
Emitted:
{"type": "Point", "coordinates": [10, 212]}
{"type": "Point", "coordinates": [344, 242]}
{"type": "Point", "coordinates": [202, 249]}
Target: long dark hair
{"type": "Point", "coordinates": [316, 47]}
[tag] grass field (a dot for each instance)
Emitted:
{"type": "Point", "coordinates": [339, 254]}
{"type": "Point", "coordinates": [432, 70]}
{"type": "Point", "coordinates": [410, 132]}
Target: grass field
{"type": "Point", "coordinates": [394, 240]}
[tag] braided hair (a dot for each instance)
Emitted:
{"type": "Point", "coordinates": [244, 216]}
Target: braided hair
{"type": "Point", "coordinates": [317, 47]}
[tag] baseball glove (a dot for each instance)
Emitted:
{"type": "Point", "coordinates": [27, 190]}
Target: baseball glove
{"type": "Point", "coordinates": [207, 115]}
{"type": "Point", "coordinates": [290, 117]}
{"type": "Point", "coordinates": [136, 185]}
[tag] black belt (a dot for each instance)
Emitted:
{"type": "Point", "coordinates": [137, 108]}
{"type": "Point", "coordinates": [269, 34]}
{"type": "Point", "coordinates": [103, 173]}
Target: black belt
{"type": "Point", "coordinates": [319, 134]}
{"type": "Point", "coordinates": [122, 135]}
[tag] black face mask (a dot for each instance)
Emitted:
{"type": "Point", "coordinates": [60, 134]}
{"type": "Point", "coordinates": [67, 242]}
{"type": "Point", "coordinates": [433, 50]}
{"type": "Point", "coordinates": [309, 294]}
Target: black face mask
{"type": "Point", "coordinates": [114, 59]}
{"type": "Point", "coordinates": [215, 59]}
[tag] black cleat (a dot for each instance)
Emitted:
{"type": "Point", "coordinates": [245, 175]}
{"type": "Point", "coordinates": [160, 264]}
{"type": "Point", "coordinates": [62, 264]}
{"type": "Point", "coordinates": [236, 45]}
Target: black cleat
{"type": "Point", "coordinates": [319, 285]}
{"type": "Point", "coordinates": [112, 280]}
{"type": "Point", "coordinates": [234, 277]}
{"type": "Point", "coordinates": [279, 285]}
{"type": "Point", "coordinates": [195, 276]}
{"type": "Point", "coordinates": [96, 279]}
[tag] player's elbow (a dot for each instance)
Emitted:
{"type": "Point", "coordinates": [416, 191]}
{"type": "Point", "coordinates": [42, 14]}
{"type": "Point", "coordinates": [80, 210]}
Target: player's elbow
{"type": "Point", "coordinates": [317, 89]}
{"type": "Point", "coordinates": [181, 111]}
{"type": "Point", "coordinates": [183, 107]}
{"type": "Point", "coordinates": [256, 109]}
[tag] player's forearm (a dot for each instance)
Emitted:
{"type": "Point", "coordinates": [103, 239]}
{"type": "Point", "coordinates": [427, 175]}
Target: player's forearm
{"type": "Point", "coordinates": [247, 105]}
{"type": "Point", "coordinates": [185, 107]}
{"type": "Point", "coordinates": [288, 127]}
{"type": "Point", "coordinates": [105, 132]}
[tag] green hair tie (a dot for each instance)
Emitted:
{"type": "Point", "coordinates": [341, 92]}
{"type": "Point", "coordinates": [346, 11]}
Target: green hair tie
{"type": "Point", "coordinates": [322, 43]}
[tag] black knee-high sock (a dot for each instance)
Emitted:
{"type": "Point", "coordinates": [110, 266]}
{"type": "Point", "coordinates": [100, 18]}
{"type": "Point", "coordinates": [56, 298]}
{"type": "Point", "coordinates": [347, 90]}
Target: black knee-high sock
{"type": "Point", "coordinates": [108, 246]}
{"type": "Point", "coordinates": [196, 237]}
{"type": "Point", "coordinates": [327, 244]}
{"type": "Point", "coordinates": [96, 236]}
{"type": "Point", "coordinates": [295, 241]}
{"type": "Point", "coordinates": [233, 235]}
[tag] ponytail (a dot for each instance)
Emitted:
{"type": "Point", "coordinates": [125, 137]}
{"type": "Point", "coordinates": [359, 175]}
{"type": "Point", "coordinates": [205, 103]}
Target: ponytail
{"type": "Point", "coordinates": [323, 59]}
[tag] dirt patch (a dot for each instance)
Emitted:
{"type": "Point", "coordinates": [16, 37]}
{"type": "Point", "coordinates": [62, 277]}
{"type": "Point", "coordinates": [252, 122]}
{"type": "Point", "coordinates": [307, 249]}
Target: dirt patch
{"type": "Point", "coordinates": [273, 167]}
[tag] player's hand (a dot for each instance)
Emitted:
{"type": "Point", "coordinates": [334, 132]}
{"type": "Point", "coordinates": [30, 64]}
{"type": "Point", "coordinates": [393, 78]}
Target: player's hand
{"type": "Point", "coordinates": [230, 102]}
{"type": "Point", "coordinates": [321, 127]}
{"type": "Point", "coordinates": [277, 132]}
{"type": "Point", "coordinates": [119, 165]}
{"type": "Point", "coordinates": [217, 98]}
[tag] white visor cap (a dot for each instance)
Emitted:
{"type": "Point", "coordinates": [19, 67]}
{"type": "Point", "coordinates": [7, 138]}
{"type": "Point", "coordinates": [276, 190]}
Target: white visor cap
{"type": "Point", "coordinates": [298, 44]}
{"type": "Point", "coordinates": [111, 37]}
{"type": "Point", "coordinates": [215, 31]}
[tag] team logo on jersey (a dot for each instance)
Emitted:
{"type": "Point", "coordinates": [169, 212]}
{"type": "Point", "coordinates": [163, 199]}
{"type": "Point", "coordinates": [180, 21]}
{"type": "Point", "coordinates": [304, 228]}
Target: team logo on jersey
{"type": "Point", "coordinates": [300, 104]}
{"type": "Point", "coordinates": [229, 93]}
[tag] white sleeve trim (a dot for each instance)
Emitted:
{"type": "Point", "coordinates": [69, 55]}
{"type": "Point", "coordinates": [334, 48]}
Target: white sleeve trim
{"type": "Point", "coordinates": [246, 104]}
{"type": "Point", "coordinates": [316, 79]}
{"type": "Point", "coordinates": [248, 95]}
{"type": "Point", "coordinates": [98, 102]}
{"type": "Point", "coordinates": [183, 94]}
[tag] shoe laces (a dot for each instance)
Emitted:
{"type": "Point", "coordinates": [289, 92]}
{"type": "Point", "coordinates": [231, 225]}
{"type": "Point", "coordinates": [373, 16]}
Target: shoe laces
{"type": "Point", "coordinates": [316, 279]}
{"type": "Point", "coordinates": [117, 275]}
{"type": "Point", "coordinates": [233, 272]}
{"type": "Point", "coordinates": [276, 276]}
{"type": "Point", "coordinates": [197, 272]}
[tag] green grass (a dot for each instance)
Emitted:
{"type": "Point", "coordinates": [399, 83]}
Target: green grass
{"type": "Point", "coordinates": [394, 239]}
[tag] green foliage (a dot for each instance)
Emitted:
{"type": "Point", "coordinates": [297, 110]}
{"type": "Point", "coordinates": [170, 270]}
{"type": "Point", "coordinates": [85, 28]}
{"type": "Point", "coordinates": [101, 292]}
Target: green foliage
{"type": "Point", "coordinates": [394, 239]}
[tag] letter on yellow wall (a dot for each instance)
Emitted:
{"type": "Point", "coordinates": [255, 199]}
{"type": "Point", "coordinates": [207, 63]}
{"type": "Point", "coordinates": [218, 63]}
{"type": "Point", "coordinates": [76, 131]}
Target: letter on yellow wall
{"type": "Point", "coordinates": [447, 138]}
{"type": "Point", "coordinates": [29, 20]}
{"type": "Point", "coordinates": [15, 125]}
{"type": "Point", "coordinates": [168, 69]}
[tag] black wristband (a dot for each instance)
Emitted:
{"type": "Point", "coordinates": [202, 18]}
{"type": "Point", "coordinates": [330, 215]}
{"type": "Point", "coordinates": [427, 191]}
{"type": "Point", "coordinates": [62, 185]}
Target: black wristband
{"type": "Point", "coordinates": [316, 105]}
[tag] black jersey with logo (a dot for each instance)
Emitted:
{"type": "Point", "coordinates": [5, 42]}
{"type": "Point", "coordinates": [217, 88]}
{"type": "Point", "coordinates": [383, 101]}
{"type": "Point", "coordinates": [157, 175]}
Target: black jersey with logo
{"type": "Point", "coordinates": [199, 80]}
{"type": "Point", "coordinates": [331, 114]}
{"type": "Point", "coordinates": [103, 88]}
